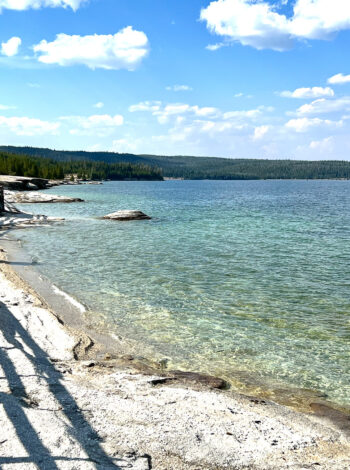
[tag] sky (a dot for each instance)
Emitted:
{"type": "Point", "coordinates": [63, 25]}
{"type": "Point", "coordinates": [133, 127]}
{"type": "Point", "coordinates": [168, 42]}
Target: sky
{"type": "Point", "coordinates": [228, 78]}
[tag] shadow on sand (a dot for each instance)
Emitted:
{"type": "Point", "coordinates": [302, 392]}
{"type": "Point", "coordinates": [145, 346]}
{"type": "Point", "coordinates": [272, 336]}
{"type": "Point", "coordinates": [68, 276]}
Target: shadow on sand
{"type": "Point", "coordinates": [17, 400]}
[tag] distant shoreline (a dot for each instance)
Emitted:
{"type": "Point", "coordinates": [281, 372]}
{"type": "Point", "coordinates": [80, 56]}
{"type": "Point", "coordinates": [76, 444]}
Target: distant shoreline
{"type": "Point", "coordinates": [177, 166]}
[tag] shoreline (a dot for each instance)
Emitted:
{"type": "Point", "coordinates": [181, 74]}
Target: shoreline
{"type": "Point", "coordinates": [118, 345]}
{"type": "Point", "coordinates": [208, 429]}
{"type": "Point", "coordinates": [75, 316]}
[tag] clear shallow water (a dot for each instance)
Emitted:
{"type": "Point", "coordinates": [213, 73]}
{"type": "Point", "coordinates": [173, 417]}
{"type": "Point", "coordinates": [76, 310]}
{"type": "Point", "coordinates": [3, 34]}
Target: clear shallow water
{"type": "Point", "coordinates": [249, 280]}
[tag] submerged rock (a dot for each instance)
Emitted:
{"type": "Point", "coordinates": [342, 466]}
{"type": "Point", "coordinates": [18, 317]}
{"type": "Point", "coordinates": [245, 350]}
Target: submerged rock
{"type": "Point", "coordinates": [127, 215]}
{"type": "Point", "coordinates": [207, 380]}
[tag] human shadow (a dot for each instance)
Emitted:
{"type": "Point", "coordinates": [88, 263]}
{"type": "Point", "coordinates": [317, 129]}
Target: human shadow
{"type": "Point", "coordinates": [17, 263]}
{"type": "Point", "coordinates": [17, 400]}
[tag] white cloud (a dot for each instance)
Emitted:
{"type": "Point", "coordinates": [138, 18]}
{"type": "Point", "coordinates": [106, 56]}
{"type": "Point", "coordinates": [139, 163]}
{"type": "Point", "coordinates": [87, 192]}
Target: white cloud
{"type": "Point", "coordinates": [215, 47]}
{"type": "Point", "coordinates": [323, 145]}
{"type": "Point", "coordinates": [260, 131]}
{"type": "Point", "coordinates": [101, 125]}
{"type": "Point", "coordinates": [176, 109]}
{"type": "Point", "coordinates": [35, 4]}
{"type": "Point", "coordinates": [126, 145]}
{"type": "Point", "coordinates": [164, 112]}
{"type": "Point", "coordinates": [339, 79]}
{"type": "Point", "coordinates": [248, 114]}
{"type": "Point", "coordinates": [204, 118]}
{"type": "Point", "coordinates": [179, 88]}
{"type": "Point", "coordinates": [123, 50]}
{"type": "Point", "coordinates": [28, 126]}
{"type": "Point", "coordinates": [241, 95]}
{"type": "Point", "coordinates": [99, 105]}
{"type": "Point", "coordinates": [304, 93]}
{"type": "Point", "coordinates": [150, 106]}
{"type": "Point", "coordinates": [11, 47]}
{"type": "Point", "coordinates": [305, 124]}
{"type": "Point", "coordinates": [205, 110]}
{"type": "Point", "coordinates": [322, 106]}
{"type": "Point", "coordinates": [258, 23]}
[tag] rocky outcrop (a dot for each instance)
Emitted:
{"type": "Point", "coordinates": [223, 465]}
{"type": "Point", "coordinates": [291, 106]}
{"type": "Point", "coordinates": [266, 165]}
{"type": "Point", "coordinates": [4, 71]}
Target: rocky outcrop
{"type": "Point", "coordinates": [31, 197]}
{"type": "Point", "coordinates": [127, 215]}
{"type": "Point", "coordinates": [23, 183]}
{"type": "Point", "coordinates": [16, 219]}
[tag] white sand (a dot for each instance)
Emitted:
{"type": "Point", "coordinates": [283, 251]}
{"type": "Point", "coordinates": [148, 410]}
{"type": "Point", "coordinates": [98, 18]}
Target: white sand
{"type": "Point", "coordinates": [60, 413]}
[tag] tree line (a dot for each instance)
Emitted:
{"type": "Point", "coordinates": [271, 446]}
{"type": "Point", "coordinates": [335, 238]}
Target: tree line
{"type": "Point", "coordinates": [24, 165]}
{"type": "Point", "coordinates": [190, 167]}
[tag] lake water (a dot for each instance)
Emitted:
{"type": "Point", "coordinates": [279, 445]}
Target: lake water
{"type": "Point", "coordinates": [248, 280]}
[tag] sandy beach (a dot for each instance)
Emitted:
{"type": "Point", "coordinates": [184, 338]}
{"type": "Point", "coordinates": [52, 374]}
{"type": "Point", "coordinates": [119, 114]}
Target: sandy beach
{"type": "Point", "coordinates": [67, 404]}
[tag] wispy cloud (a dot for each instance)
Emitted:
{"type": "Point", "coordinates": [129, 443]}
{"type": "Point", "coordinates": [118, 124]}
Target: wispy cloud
{"type": "Point", "coordinates": [323, 106]}
{"type": "Point", "coordinates": [304, 124]}
{"type": "Point", "coordinates": [306, 93]}
{"type": "Point", "coordinates": [25, 126]}
{"type": "Point", "coordinates": [5, 107]}
{"type": "Point", "coordinates": [99, 105]}
{"type": "Point", "coordinates": [179, 88]}
{"type": "Point", "coordinates": [101, 125]}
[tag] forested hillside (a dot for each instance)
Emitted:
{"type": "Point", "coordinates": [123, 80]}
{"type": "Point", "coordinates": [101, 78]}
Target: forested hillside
{"type": "Point", "coordinates": [199, 167]}
{"type": "Point", "coordinates": [24, 165]}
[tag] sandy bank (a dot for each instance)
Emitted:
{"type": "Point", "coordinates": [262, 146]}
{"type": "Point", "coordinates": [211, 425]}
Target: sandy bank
{"type": "Point", "coordinates": [62, 408]}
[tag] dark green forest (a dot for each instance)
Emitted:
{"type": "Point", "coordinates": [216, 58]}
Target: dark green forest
{"type": "Point", "coordinates": [188, 167]}
{"type": "Point", "coordinates": [24, 165]}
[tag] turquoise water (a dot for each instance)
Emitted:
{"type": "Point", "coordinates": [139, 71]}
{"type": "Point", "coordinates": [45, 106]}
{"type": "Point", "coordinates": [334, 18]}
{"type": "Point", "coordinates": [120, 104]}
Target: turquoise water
{"type": "Point", "coordinates": [248, 280]}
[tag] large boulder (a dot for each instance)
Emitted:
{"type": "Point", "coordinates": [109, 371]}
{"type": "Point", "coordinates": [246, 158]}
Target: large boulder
{"type": "Point", "coordinates": [127, 215]}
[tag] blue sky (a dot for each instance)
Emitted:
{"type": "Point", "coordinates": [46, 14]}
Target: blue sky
{"type": "Point", "coordinates": [232, 78]}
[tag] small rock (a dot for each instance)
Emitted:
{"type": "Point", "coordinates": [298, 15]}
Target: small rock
{"type": "Point", "coordinates": [161, 381]}
{"type": "Point", "coordinates": [208, 380]}
{"type": "Point", "coordinates": [127, 215]}
{"type": "Point", "coordinates": [88, 364]}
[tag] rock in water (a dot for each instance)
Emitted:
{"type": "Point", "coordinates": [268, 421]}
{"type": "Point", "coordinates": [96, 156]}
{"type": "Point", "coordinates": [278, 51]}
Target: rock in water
{"type": "Point", "coordinates": [127, 215]}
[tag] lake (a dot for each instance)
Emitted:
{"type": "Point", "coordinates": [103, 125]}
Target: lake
{"type": "Point", "coordinates": [247, 280]}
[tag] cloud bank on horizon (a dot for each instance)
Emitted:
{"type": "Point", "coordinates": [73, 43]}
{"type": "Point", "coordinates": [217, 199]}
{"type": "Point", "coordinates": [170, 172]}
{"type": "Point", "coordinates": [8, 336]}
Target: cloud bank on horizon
{"type": "Point", "coordinates": [274, 83]}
